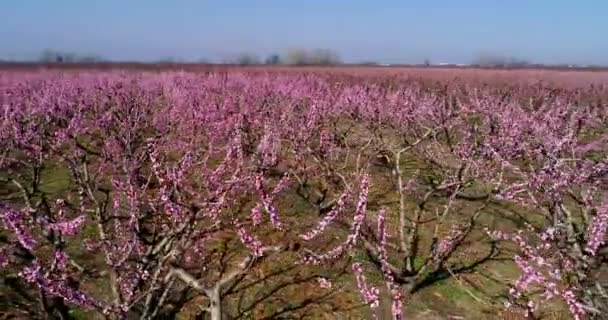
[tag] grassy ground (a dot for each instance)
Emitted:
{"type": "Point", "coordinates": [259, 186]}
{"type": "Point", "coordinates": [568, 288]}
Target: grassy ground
{"type": "Point", "coordinates": [475, 294]}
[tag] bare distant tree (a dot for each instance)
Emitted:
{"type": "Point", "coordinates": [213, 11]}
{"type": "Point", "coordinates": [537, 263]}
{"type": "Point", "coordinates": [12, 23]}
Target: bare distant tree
{"type": "Point", "coordinates": [51, 56]}
{"type": "Point", "coordinates": [492, 60]}
{"type": "Point", "coordinates": [314, 57]}
{"type": "Point", "coordinates": [297, 57]}
{"type": "Point", "coordinates": [324, 57]}
{"type": "Point", "coordinates": [246, 59]}
{"type": "Point", "coordinates": [273, 59]}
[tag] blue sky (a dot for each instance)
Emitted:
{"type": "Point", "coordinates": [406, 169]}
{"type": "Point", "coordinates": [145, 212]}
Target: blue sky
{"type": "Point", "coordinates": [390, 31]}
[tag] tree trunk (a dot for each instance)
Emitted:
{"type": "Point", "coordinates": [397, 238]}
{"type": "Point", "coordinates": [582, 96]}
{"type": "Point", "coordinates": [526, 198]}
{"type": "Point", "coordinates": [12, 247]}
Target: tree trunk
{"type": "Point", "coordinates": [215, 305]}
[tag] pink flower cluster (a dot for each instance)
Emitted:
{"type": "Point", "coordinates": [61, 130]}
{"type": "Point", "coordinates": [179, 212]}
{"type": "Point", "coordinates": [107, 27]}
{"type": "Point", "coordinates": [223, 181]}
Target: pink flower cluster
{"type": "Point", "coordinates": [449, 242]}
{"type": "Point", "coordinates": [267, 200]}
{"type": "Point", "coordinates": [598, 230]}
{"type": "Point", "coordinates": [15, 221]}
{"type": "Point", "coordinates": [355, 229]}
{"type": "Point", "coordinates": [59, 288]}
{"type": "Point", "coordinates": [68, 228]}
{"type": "Point", "coordinates": [397, 305]}
{"type": "Point", "coordinates": [542, 267]}
{"type": "Point", "coordinates": [254, 245]}
{"type": "Point", "coordinates": [369, 294]}
{"type": "Point", "coordinates": [328, 218]}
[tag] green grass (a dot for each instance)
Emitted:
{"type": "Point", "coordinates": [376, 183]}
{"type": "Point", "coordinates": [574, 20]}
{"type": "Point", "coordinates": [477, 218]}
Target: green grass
{"type": "Point", "coordinates": [55, 181]}
{"type": "Point", "coordinates": [441, 299]}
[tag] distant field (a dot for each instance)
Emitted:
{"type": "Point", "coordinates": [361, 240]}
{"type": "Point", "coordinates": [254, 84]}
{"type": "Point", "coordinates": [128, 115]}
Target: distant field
{"type": "Point", "coordinates": [552, 75]}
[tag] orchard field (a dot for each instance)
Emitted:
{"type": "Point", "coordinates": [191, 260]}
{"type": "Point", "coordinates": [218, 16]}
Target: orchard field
{"type": "Point", "coordinates": [303, 193]}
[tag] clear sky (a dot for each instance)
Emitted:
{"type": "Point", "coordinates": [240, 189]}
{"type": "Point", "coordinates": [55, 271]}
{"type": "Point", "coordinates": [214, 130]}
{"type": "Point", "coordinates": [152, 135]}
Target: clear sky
{"type": "Point", "coordinates": [391, 31]}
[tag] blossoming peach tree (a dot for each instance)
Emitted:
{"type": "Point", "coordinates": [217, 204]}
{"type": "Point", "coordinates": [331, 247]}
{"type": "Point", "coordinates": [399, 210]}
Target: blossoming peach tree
{"type": "Point", "coordinates": [160, 168]}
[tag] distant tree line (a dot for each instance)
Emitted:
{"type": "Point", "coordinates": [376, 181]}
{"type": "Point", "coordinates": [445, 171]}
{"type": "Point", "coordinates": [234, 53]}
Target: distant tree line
{"type": "Point", "coordinates": [52, 56]}
{"type": "Point", "coordinates": [497, 61]}
{"type": "Point", "coordinates": [298, 57]}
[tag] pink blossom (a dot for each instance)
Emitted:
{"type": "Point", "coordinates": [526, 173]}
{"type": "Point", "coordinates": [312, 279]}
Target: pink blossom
{"type": "Point", "coordinates": [253, 244]}
{"type": "Point", "coordinates": [324, 283]}
{"type": "Point", "coordinates": [369, 294]}
{"type": "Point", "coordinates": [598, 231]}
{"type": "Point", "coordinates": [327, 219]}
{"type": "Point", "coordinates": [68, 228]}
{"type": "Point", "coordinates": [15, 221]}
{"type": "Point", "coordinates": [355, 229]}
